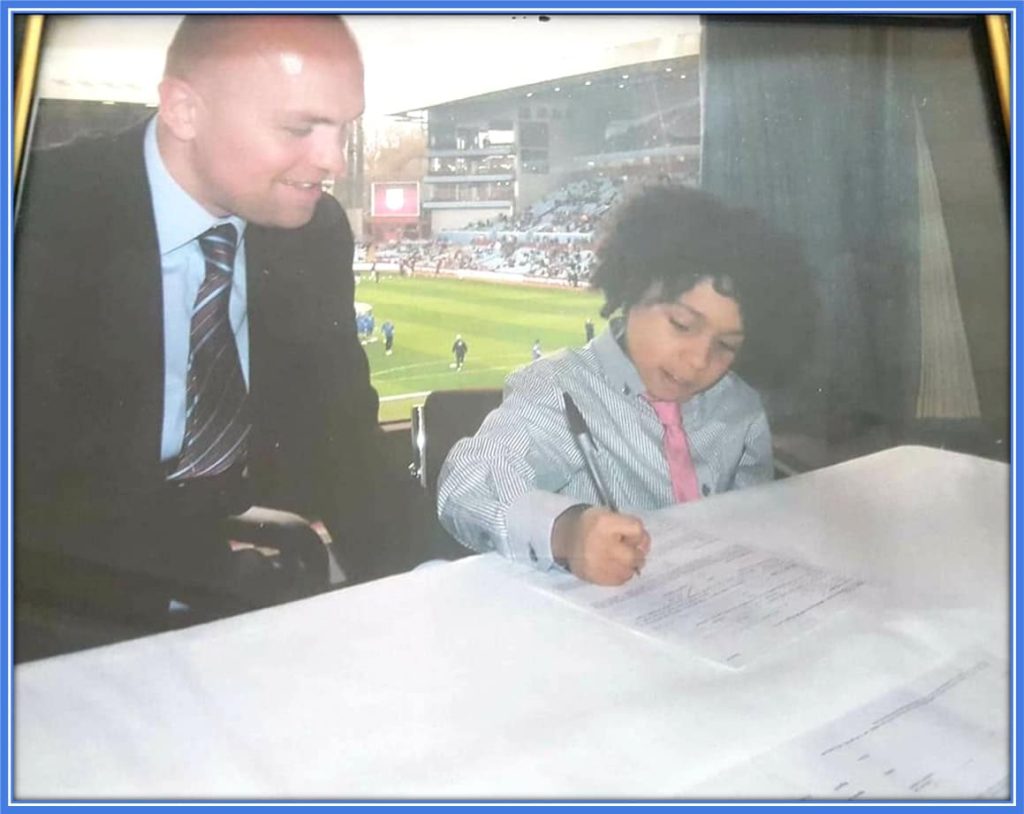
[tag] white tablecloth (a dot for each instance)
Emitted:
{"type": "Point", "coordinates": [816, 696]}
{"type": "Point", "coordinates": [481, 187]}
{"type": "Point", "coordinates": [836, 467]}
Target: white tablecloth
{"type": "Point", "coordinates": [468, 680]}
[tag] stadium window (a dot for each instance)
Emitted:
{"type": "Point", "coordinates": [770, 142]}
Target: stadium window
{"type": "Point", "coordinates": [501, 132]}
{"type": "Point", "coordinates": [656, 134]}
{"type": "Point", "coordinates": [442, 133]}
{"type": "Point", "coordinates": [902, 221]}
{"type": "Point", "coordinates": [533, 135]}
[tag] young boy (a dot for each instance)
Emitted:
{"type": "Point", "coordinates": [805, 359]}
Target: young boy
{"type": "Point", "coordinates": [695, 281]}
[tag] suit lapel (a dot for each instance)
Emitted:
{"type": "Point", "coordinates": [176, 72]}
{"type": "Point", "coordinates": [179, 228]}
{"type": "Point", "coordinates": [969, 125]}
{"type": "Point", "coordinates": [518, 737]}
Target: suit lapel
{"type": "Point", "coordinates": [260, 272]}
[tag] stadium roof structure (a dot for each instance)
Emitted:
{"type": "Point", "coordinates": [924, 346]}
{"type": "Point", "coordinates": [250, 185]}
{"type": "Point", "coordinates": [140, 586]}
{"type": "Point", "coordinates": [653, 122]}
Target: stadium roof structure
{"type": "Point", "coordinates": [412, 62]}
{"type": "Point", "coordinates": [472, 57]}
{"type": "Point", "coordinates": [578, 86]}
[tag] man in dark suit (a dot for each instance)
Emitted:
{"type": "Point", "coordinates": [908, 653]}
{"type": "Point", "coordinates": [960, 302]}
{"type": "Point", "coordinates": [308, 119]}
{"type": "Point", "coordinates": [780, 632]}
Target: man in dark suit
{"type": "Point", "coordinates": [185, 335]}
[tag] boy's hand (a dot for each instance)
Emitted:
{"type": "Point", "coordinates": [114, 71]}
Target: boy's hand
{"type": "Point", "coordinates": [599, 545]}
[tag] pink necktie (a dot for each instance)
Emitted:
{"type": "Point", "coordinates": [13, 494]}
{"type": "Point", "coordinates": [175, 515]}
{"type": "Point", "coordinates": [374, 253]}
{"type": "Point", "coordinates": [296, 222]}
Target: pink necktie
{"type": "Point", "coordinates": [677, 451]}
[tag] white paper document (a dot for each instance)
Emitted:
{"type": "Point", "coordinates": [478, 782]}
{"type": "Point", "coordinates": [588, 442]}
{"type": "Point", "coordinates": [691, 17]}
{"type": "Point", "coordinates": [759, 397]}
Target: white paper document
{"type": "Point", "coordinates": [726, 601]}
{"type": "Point", "coordinates": [942, 736]}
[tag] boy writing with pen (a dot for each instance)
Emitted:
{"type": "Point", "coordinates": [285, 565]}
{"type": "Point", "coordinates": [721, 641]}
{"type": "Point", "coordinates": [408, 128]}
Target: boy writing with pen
{"type": "Point", "coordinates": [648, 414]}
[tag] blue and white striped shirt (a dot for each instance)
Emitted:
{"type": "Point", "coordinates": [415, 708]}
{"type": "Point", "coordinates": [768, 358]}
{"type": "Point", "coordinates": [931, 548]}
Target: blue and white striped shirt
{"type": "Point", "coordinates": [504, 488]}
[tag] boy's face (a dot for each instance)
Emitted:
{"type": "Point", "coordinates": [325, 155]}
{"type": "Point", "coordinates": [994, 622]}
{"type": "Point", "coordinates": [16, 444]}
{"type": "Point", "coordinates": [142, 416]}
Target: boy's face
{"type": "Point", "coordinates": [681, 348]}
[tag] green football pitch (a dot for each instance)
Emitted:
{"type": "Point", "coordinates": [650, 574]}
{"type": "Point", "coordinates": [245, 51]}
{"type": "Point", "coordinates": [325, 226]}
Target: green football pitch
{"type": "Point", "coordinates": [498, 321]}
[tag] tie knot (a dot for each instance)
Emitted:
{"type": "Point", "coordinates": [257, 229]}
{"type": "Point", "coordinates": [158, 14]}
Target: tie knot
{"type": "Point", "coordinates": [667, 412]}
{"type": "Point", "coordinates": [218, 245]}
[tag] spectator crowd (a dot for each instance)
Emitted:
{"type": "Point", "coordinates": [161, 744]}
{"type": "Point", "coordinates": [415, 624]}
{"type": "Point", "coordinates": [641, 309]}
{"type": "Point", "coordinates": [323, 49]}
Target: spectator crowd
{"type": "Point", "coordinates": [553, 238]}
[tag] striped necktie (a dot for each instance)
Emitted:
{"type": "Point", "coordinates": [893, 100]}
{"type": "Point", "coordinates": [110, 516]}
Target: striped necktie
{"type": "Point", "coordinates": [216, 411]}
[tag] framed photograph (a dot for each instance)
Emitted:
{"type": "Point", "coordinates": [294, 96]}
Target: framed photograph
{"type": "Point", "coordinates": [503, 406]}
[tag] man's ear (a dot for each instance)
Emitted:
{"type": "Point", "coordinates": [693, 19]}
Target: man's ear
{"type": "Point", "coordinates": [178, 107]}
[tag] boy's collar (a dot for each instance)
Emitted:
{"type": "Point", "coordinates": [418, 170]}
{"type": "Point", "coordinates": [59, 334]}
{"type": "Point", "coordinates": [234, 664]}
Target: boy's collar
{"type": "Point", "coordinates": [615, 363]}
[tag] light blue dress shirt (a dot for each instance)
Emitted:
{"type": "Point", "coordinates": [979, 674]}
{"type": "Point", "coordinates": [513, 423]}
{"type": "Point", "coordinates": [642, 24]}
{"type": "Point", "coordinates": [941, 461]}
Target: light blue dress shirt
{"type": "Point", "coordinates": [180, 220]}
{"type": "Point", "coordinates": [504, 488]}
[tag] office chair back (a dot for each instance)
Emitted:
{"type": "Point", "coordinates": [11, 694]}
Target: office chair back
{"type": "Point", "coordinates": [445, 417]}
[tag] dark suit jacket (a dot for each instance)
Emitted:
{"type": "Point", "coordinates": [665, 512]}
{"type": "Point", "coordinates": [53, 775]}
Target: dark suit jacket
{"type": "Point", "coordinates": [89, 378]}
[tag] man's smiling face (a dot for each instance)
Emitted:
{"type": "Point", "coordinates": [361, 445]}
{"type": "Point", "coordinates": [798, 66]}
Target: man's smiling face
{"type": "Point", "coordinates": [267, 120]}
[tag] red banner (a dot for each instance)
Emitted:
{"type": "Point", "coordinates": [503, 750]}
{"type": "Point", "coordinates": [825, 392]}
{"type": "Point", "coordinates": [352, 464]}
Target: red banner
{"type": "Point", "coordinates": [396, 199]}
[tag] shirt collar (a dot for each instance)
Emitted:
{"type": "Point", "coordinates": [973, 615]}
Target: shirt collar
{"type": "Point", "coordinates": [180, 219]}
{"type": "Point", "coordinates": [617, 367]}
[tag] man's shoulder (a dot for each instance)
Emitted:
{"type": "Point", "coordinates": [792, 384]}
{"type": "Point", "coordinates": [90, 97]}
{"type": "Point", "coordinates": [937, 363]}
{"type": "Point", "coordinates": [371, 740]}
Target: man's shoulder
{"type": "Point", "coordinates": [72, 185]}
{"type": "Point", "coordinates": [88, 156]}
{"type": "Point", "coordinates": [329, 218]}
{"type": "Point", "coordinates": [328, 213]}
{"type": "Point", "coordinates": [327, 231]}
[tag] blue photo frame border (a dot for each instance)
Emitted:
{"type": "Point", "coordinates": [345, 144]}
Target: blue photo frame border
{"type": "Point", "coordinates": [11, 8]}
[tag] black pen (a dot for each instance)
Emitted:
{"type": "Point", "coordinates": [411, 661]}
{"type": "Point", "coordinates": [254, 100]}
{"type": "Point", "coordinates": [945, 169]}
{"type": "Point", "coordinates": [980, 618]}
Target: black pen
{"type": "Point", "coordinates": [585, 441]}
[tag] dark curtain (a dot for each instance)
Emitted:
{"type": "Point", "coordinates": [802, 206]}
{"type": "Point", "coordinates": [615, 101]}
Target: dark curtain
{"type": "Point", "coordinates": [962, 123]}
{"type": "Point", "coordinates": [817, 123]}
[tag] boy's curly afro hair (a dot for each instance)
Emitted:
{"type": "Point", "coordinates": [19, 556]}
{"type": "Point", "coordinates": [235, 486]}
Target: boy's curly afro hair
{"type": "Point", "coordinates": [662, 240]}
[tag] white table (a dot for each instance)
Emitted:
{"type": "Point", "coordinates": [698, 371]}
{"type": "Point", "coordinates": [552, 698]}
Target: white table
{"type": "Point", "coordinates": [466, 680]}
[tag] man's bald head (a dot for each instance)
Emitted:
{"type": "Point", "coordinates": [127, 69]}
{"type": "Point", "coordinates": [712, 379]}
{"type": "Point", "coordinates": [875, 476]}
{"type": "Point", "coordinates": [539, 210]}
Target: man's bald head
{"type": "Point", "coordinates": [254, 112]}
{"type": "Point", "coordinates": [204, 38]}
